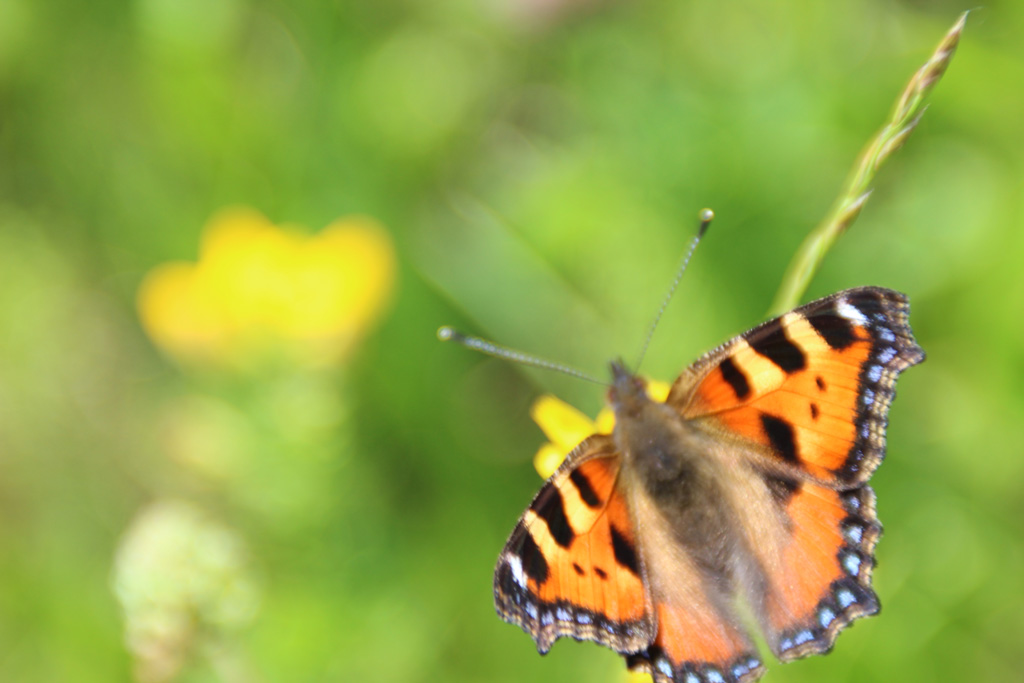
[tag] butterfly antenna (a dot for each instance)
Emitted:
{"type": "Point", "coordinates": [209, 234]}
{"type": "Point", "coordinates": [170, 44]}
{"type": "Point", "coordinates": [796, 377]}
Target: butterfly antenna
{"type": "Point", "coordinates": [706, 216]}
{"type": "Point", "coordinates": [491, 349]}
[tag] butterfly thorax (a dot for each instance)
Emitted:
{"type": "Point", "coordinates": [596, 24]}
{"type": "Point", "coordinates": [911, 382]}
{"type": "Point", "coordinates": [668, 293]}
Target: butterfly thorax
{"type": "Point", "coordinates": [672, 460]}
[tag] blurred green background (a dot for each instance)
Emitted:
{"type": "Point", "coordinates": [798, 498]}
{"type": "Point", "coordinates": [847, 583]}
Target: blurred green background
{"type": "Point", "coordinates": [539, 165]}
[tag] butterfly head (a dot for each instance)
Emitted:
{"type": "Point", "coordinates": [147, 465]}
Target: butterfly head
{"type": "Point", "coordinates": [628, 393]}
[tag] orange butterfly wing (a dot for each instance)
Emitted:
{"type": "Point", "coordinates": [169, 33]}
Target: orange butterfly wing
{"type": "Point", "coordinates": [694, 643]}
{"type": "Point", "coordinates": [811, 388]}
{"type": "Point", "coordinates": [571, 566]}
{"type": "Point", "coordinates": [805, 398]}
{"type": "Point", "coordinates": [699, 638]}
{"type": "Point", "coordinates": [818, 578]}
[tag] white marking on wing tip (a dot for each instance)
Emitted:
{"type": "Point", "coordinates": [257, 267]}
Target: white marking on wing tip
{"type": "Point", "coordinates": [825, 617]}
{"type": "Point", "coordinates": [562, 614]}
{"type": "Point", "coordinates": [886, 334]}
{"type": "Point", "coordinates": [854, 533]}
{"type": "Point", "coordinates": [715, 677]}
{"type": "Point", "coordinates": [869, 397]}
{"type": "Point", "coordinates": [531, 609]}
{"type": "Point", "coordinates": [850, 312]}
{"type": "Point", "coordinates": [803, 637]}
{"type": "Point", "coordinates": [547, 618]}
{"type": "Point", "coordinates": [583, 618]}
{"type": "Point", "coordinates": [516, 565]}
{"type": "Point", "coordinates": [692, 678]}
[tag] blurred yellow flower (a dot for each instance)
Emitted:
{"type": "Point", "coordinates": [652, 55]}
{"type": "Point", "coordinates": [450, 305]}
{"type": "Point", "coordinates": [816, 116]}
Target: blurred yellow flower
{"type": "Point", "coordinates": [258, 287]}
{"type": "Point", "coordinates": [566, 427]}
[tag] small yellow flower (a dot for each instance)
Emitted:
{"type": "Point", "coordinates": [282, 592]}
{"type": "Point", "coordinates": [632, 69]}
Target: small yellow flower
{"type": "Point", "coordinates": [259, 287]}
{"type": "Point", "coordinates": [566, 427]}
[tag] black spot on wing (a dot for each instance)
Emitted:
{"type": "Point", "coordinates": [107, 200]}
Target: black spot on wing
{"type": "Point", "coordinates": [625, 553]}
{"type": "Point", "coordinates": [578, 569]}
{"type": "Point", "coordinates": [602, 574]}
{"type": "Point", "coordinates": [780, 435]}
{"type": "Point", "coordinates": [836, 330]}
{"type": "Point", "coordinates": [534, 564]}
{"type": "Point", "coordinates": [820, 382]}
{"type": "Point", "coordinates": [551, 508]}
{"type": "Point", "coordinates": [584, 488]}
{"type": "Point", "coordinates": [815, 411]}
{"type": "Point", "coordinates": [735, 378]}
{"type": "Point", "coordinates": [770, 341]}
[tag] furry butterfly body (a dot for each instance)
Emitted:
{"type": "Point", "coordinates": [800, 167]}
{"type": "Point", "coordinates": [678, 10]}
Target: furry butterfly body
{"type": "Point", "coordinates": [748, 484]}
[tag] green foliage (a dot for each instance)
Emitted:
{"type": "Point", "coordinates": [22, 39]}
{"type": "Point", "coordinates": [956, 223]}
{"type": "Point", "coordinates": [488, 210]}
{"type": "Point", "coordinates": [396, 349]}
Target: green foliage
{"type": "Point", "coordinates": [539, 171]}
{"type": "Point", "coordinates": [909, 109]}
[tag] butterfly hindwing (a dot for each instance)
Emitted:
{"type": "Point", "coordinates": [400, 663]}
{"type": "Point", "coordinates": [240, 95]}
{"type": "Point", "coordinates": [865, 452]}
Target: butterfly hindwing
{"type": "Point", "coordinates": [811, 388]}
{"type": "Point", "coordinates": [571, 566]}
{"type": "Point", "coordinates": [816, 567]}
{"type": "Point", "coordinates": [699, 637]}
{"type": "Point", "coordinates": [696, 645]}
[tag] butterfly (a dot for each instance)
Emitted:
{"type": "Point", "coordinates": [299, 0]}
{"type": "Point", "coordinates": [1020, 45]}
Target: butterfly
{"type": "Point", "coordinates": [748, 484]}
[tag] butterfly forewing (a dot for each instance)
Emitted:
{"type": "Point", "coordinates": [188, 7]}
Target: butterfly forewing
{"type": "Point", "coordinates": [571, 567]}
{"type": "Point", "coordinates": [812, 387]}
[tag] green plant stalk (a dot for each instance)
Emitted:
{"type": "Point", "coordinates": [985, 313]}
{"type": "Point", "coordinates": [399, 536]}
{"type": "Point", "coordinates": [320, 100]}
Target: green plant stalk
{"type": "Point", "coordinates": [905, 115]}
